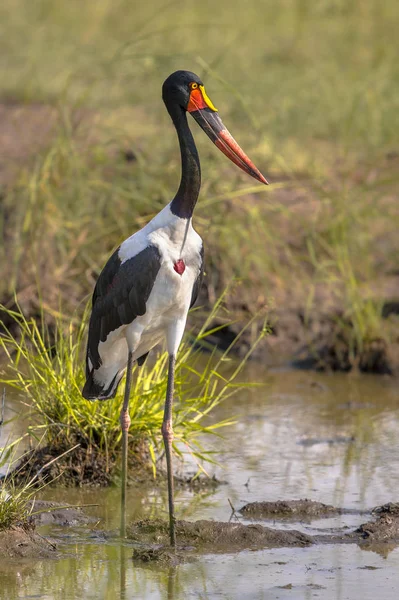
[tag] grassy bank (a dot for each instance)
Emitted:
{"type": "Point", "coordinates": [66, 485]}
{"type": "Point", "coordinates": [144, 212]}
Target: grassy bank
{"type": "Point", "coordinates": [310, 90]}
{"type": "Point", "coordinates": [46, 367]}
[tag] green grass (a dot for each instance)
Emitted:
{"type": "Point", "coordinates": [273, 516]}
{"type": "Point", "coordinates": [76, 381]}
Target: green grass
{"type": "Point", "coordinates": [17, 494]}
{"type": "Point", "coordinates": [14, 505]}
{"type": "Point", "coordinates": [309, 89]}
{"type": "Point", "coordinates": [15, 499]}
{"type": "Point", "coordinates": [47, 367]}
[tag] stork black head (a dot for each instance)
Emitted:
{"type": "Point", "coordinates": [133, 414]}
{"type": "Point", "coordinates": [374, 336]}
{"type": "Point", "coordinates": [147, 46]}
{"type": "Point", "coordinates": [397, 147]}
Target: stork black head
{"type": "Point", "coordinates": [185, 89]}
{"type": "Point", "coordinates": [177, 88]}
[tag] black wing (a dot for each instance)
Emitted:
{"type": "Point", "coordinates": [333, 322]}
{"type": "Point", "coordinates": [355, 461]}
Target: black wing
{"type": "Point", "coordinates": [120, 296]}
{"type": "Point", "coordinates": [198, 281]}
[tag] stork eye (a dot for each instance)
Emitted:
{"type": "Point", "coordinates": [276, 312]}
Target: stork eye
{"type": "Point", "coordinates": [193, 86]}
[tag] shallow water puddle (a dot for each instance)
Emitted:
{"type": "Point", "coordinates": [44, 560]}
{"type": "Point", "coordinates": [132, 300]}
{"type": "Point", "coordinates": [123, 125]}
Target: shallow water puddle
{"type": "Point", "coordinates": [107, 571]}
{"type": "Point", "coordinates": [331, 438]}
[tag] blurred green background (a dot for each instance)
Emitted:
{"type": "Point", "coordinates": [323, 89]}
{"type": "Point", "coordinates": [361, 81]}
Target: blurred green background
{"type": "Point", "coordinates": [309, 89]}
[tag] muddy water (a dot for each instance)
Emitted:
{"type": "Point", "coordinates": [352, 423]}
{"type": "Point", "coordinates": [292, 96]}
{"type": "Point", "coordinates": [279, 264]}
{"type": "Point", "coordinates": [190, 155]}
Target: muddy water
{"type": "Point", "coordinates": [332, 438]}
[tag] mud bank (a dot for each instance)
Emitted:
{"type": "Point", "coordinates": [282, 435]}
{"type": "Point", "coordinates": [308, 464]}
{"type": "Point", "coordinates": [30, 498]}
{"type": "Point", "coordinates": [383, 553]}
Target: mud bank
{"type": "Point", "coordinates": [213, 536]}
{"type": "Point", "coordinates": [150, 537]}
{"type": "Point", "coordinates": [204, 537]}
{"type": "Point", "coordinates": [84, 468]}
{"type": "Point", "coordinates": [384, 529]}
{"type": "Point", "coordinates": [289, 509]}
{"type": "Point", "coordinates": [19, 542]}
{"type": "Point", "coordinates": [76, 469]}
{"type": "Point", "coordinates": [43, 512]}
{"type": "Point", "coordinates": [323, 342]}
{"type": "Point", "coordinates": [23, 541]}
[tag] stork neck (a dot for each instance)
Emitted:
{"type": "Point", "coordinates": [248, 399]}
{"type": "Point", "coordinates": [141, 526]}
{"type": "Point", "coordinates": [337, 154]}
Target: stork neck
{"type": "Point", "coordinates": [184, 202]}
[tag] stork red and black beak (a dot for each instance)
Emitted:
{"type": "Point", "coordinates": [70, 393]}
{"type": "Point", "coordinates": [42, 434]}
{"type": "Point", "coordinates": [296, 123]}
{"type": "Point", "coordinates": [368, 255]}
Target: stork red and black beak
{"type": "Point", "coordinates": [206, 115]}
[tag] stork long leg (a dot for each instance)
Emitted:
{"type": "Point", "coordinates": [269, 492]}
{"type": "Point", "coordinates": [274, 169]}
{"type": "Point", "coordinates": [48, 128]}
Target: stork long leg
{"type": "Point", "coordinates": [167, 434]}
{"type": "Point", "coordinates": [125, 424]}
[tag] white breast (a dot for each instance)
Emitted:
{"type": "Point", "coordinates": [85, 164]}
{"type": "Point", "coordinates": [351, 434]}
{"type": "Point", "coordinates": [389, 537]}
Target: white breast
{"type": "Point", "coordinates": [171, 234]}
{"type": "Point", "coordinates": [169, 301]}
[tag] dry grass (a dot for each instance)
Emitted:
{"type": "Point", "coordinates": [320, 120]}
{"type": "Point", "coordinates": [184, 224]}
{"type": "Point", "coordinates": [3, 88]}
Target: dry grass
{"type": "Point", "coordinates": [317, 111]}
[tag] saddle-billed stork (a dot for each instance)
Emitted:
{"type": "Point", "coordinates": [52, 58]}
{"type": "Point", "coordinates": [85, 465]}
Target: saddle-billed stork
{"type": "Point", "coordinates": [148, 285]}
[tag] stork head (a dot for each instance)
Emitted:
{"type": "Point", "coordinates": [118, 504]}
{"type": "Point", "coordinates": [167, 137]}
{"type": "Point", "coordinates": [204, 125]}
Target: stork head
{"type": "Point", "coordinates": [185, 89]}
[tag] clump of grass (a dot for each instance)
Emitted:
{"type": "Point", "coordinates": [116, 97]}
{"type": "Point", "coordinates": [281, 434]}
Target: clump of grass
{"type": "Point", "coordinates": [14, 505]}
{"type": "Point", "coordinates": [47, 368]}
{"type": "Point", "coordinates": [364, 314]}
{"type": "Point", "coordinates": [13, 501]}
{"type": "Point", "coordinates": [15, 498]}
{"type": "Point", "coordinates": [338, 252]}
{"type": "Point", "coordinates": [17, 493]}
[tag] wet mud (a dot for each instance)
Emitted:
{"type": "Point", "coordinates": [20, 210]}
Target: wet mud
{"type": "Point", "coordinates": [323, 341]}
{"type": "Point", "coordinates": [384, 529]}
{"type": "Point", "coordinates": [76, 469]}
{"type": "Point", "coordinates": [23, 540]}
{"type": "Point", "coordinates": [203, 537]}
{"type": "Point", "coordinates": [160, 555]}
{"type": "Point", "coordinates": [289, 509]}
{"type": "Point", "coordinates": [214, 536]}
{"type": "Point", "coordinates": [150, 537]}
{"type": "Point", "coordinates": [55, 513]}
{"type": "Point", "coordinates": [85, 467]}
{"type": "Point", "coordinates": [20, 542]}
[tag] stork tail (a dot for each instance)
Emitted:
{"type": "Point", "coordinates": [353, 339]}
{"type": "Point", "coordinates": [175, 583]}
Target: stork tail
{"type": "Point", "coordinates": [94, 390]}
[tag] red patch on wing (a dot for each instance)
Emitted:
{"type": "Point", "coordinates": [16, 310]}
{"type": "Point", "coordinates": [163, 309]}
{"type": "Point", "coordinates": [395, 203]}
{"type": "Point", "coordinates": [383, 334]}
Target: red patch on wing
{"type": "Point", "coordinates": [196, 101]}
{"type": "Point", "coordinates": [179, 266]}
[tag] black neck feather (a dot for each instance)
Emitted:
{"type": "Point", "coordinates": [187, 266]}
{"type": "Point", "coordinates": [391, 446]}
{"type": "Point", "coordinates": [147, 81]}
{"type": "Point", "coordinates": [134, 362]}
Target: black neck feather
{"type": "Point", "coordinates": [184, 202]}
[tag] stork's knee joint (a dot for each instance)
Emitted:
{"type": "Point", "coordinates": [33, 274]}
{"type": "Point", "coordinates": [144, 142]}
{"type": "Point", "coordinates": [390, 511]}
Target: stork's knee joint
{"type": "Point", "coordinates": [125, 420]}
{"type": "Point", "coordinates": [167, 431]}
